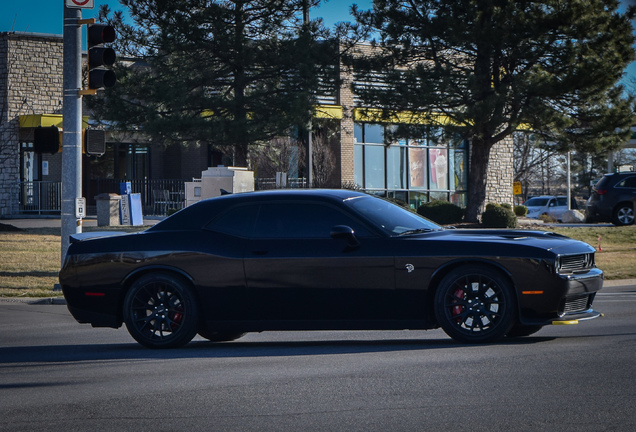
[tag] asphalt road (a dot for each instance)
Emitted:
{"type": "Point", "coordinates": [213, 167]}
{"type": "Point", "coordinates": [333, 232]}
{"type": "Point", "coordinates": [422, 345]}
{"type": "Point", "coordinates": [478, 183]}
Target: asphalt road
{"type": "Point", "coordinates": [57, 375]}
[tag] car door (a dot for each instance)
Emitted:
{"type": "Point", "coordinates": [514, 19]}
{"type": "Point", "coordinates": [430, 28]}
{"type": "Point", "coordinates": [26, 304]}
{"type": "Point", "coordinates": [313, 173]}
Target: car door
{"type": "Point", "coordinates": [295, 270]}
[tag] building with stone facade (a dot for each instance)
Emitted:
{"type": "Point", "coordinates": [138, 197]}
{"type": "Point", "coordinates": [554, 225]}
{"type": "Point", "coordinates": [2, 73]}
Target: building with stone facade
{"type": "Point", "coordinates": [415, 169]}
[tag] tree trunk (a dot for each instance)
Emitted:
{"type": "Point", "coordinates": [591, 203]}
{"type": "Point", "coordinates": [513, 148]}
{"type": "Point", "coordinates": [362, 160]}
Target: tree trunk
{"type": "Point", "coordinates": [477, 179]}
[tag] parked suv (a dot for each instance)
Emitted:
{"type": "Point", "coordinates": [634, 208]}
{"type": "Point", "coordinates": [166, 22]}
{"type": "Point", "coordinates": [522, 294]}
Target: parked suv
{"type": "Point", "coordinates": [613, 199]}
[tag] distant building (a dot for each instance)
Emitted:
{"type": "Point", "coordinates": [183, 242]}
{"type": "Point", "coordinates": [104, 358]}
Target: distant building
{"type": "Point", "coordinates": [414, 169]}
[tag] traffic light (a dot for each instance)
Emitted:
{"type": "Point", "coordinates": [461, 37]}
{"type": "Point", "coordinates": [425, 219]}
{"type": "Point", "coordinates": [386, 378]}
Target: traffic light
{"type": "Point", "coordinates": [46, 139]}
{"type": "Point", "coordinates": [95, 142]}
{"type": "Point", "coordinates": [99, 56]}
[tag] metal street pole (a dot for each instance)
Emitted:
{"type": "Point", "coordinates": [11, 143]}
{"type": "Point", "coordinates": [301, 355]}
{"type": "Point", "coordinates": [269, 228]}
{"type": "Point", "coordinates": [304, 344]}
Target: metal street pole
{"type": "Point", "coordinates": [310, 151]}
{"type": "Point", "coordinates": [72, 125]}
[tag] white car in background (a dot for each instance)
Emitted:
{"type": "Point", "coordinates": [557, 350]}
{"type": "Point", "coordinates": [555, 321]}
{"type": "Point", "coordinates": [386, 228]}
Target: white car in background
{"type": "Point", "coordinates": [553, 206]}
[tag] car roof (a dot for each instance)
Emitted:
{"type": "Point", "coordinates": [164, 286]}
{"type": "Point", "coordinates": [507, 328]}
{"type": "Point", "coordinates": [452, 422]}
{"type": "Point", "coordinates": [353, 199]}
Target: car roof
{"type": "Point", "coordinates": [200, 213]}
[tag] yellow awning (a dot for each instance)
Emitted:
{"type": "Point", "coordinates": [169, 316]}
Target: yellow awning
{"type": "Point", "coordinates": [328, 112]}
{"type": "Point", "coordinates": [46, 120]}
{"type": "Point", "coordinates": [375, 115]}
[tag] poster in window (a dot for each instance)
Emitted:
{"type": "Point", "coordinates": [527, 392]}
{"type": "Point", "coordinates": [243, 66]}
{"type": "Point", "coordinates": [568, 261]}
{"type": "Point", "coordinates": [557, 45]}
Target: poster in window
{"type": "Point", "coordinates": [438, 162]}
{"type": "Point", "coordinates": [417, 167]}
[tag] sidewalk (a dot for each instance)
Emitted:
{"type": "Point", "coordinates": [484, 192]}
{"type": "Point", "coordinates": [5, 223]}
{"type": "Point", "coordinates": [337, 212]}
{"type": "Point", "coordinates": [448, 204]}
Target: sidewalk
{"type": "Point", "coordinates": [90, 221]}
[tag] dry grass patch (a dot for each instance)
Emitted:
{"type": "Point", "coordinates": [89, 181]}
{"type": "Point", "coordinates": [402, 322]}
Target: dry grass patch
{"type": "Point", "coordinates": [30, 259]}
{"type": "Point", "coordinates": [617, 254]}
{"type": "Point", "coordinates": [29, 263]}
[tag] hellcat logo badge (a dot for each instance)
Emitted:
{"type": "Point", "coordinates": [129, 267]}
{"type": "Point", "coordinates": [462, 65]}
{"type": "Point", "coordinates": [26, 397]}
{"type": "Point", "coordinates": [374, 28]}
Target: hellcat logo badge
{"type": "Point", "coordinates": [409, 268]}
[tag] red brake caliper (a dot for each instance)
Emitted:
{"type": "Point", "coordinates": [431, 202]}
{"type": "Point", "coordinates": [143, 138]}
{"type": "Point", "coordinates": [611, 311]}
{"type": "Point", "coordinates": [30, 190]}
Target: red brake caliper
{"type": "Point", "coordinates": [457, 310]}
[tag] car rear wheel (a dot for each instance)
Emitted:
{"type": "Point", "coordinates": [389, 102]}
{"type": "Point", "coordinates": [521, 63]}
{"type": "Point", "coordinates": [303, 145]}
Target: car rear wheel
{"type": "Point", "coordinates": [160, 311]}
{"type": "Point", "coordinates": [475, 304]}
{"type": "Point", "coordinates": [623, 214]}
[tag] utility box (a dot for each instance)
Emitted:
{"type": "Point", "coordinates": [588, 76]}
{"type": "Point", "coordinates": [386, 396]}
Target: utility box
{"type": "Point", "coordinates": [229, 179]}
{"type": "Point", "coordinates": [216, 181]}
{"type": "Point", "coordinates": [108, 209]}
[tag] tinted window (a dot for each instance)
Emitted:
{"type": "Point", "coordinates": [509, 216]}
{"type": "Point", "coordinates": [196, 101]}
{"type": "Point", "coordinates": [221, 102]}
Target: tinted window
{"type": "Point", "coordinates": [536, 202]}
{"type": "Point", "coordinates": [302, 220]}
{"type": "Point", "coordinates": [629, 182]}
{"type": "Point", "coordinates": [391, 218]}
{"type": "Point", "coordinates": [236, 221]}
{"type": "Point", "coordinates": [562, 202]}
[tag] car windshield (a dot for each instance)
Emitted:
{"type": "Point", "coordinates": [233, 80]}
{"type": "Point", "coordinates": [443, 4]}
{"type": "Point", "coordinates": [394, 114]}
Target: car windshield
{"type": "Point", "coordinates": [537, 202]}
{"type": "Point", "coordinates": [393, 219]}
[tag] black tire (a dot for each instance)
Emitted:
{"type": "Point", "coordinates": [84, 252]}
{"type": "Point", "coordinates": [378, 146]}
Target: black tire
{"type": "Point", "coordinates": [475, 304]}
{"type": "Point", "coordinates": [160, 311]}
{"type": "Point", "coordinates": [623, 214]}
{"type": "Point", "coordinates": [520, 330]}
{"type": "Point", "coordinates": [215, 336]}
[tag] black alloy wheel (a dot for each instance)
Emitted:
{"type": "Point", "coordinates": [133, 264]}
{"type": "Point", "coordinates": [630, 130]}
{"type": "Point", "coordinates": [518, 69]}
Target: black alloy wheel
{"type": "Point", "coordinates": [475, 304]}
{"type": "Point", "coordinates": [160, 311]}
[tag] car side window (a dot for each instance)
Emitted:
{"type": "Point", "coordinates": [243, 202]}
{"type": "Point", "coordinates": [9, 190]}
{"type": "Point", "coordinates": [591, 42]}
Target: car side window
{"type": "Point", "coordinates": [629, 182]}
{"type": "Point", "coordinates": [237, 221]}
{"type": "Point", "coordinates": [302, 220]}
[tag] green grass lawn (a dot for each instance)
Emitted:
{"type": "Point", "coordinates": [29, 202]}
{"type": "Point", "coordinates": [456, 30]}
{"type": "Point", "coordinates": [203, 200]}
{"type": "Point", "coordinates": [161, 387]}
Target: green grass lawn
{"type": "Point", "coordinates": [30, 259]}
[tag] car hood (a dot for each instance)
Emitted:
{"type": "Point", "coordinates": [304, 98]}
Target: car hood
{"type": "Point", "coordinates": [511, 239]}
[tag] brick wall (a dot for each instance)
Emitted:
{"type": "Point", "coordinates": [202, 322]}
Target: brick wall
{"type": "Point", "coordinates": [30, 83]}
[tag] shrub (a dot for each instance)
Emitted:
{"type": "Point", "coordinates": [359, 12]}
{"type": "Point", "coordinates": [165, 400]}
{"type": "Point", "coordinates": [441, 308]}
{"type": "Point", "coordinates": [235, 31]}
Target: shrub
{"type": "Point", "coordinates": [441, 212]}
{"type": "Point", "coordinates": [491, 206]}
{"type": "Point", "coordinates": [547, 218]}
{"type": "Point", "coordinates": [521, 210]}
{"type": "Point", "coordinates": [497, 216]}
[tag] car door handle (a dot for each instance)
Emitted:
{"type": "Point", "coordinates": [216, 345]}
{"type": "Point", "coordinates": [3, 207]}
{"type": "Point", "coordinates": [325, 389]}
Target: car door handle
{"type": "Point", "coordinates": [260, 252]}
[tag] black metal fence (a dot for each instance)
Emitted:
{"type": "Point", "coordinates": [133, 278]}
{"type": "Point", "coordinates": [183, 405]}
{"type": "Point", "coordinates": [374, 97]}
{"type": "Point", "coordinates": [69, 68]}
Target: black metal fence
{"type": "Point", "coordinates": [37, 197]}
{"type": "Point", "coordinates": [158, 197]}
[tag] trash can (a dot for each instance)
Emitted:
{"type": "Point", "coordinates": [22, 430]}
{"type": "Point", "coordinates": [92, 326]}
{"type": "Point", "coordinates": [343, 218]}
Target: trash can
{"type": "Point", "coordinates": [107, 209]}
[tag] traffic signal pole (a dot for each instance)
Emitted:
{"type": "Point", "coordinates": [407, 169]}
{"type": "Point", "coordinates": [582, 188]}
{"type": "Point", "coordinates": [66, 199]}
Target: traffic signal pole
{"type": "Point", "coordinates": [72, 125]}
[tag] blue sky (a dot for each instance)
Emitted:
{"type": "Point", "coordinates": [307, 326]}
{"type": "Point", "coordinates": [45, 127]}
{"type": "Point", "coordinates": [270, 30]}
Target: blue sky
{"type": "Point", "coordinates": [45, 16]}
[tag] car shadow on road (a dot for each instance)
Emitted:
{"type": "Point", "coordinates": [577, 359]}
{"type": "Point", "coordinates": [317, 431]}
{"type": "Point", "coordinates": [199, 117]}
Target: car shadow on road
{"type": "Point", "coordinates": [248, 349]}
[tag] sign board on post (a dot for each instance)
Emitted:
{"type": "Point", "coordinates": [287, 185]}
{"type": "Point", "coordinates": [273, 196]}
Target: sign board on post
{"type": "Point", "coordinates": [516, 188]}
{"type": "Point", "coordinates": [80, 4]}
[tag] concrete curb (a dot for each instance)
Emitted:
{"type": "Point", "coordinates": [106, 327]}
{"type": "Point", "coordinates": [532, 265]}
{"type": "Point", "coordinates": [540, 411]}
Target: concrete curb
{"type": "Point", "coordinates": [35, 300]}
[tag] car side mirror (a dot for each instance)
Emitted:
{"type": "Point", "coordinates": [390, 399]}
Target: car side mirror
{"type": "Point", "coordinates": [346, 233]}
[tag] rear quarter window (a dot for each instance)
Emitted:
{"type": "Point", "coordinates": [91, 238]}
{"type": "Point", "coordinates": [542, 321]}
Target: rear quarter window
{"type": "Point", "coordinates": [629, 182]}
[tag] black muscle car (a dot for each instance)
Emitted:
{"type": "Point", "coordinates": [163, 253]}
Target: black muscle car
{"type": "Point", "coordinates": [323, 259]}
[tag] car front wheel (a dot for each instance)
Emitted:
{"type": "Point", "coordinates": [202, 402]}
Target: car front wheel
{"type": "Point", "coordinates": [624, 214]}
{"type": "Point", "coordinates": [160, 311]}
{"type": "Point", "coordinates": [475, 304]}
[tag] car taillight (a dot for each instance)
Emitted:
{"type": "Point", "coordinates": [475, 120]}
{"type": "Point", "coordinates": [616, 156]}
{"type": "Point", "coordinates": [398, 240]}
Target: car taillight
{"type": "Point", "coordinates": [601, 191]}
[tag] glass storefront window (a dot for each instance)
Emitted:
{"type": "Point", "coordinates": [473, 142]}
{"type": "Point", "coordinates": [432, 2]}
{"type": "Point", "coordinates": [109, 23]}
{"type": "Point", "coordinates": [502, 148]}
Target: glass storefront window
{"type": "Point", "coordinates": [417, 168]}
{"type": "Point", "coordinates": [396, 167]}
{"type": "Point", "coordinates": [374, 167]}
{"type": "Point", "coordinates": [438, 196]}
{"type": "Point", "coordinates": [416, 199]}
{"type": "Point", "coordinates": [438, 169]}
{"type": "Point", "coordinates": [428, 165]}
{"type": "Point", "coordinates": [357, 133]}
{"type": "Point", "coordinates": [460, 175]}
{"type": "Point", "coordinates": [459, 199]}
{"type": "Point", "coordinates": [358, 164]}
{"type": "Point", "coordinates": [373, 133]}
